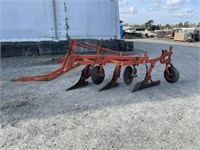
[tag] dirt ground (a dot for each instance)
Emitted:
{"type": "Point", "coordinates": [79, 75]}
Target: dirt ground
{"type": "Point", "coordinates": [42, 115]}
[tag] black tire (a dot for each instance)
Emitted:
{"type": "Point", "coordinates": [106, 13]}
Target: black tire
{"type": "Point", "coordinates": [174, 77]}
{"type": "Point", "coordinates": [128, 79]}
{"type": "Point", "coordinates": [96, 76]}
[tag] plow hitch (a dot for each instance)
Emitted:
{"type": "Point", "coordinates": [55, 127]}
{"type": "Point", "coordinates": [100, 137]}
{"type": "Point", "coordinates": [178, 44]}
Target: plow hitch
{"type": "Point", "coordinates": [94, 67]}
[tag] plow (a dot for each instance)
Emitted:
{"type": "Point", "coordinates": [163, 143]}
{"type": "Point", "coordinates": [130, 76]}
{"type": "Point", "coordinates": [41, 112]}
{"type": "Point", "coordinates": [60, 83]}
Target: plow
{"type": "Point", "coordinates": [94, 67]}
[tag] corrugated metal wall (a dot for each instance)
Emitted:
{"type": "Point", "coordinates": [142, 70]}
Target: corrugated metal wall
{"type": "Point", "coordinates": [46, 20]}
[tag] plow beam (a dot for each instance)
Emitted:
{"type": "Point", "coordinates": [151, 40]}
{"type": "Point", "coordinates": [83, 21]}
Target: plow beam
{"type": "Point", "coordinates": [46, 77]}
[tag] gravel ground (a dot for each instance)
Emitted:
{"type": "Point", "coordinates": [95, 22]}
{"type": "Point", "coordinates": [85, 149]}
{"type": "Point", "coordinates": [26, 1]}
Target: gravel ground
{"type": "Point", "coordinates": [42, 115]}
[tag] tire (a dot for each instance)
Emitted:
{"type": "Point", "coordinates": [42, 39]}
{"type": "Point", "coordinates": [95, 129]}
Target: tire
{"type": "Point", "coordinates": [174, 77]}
{"type": "Point", "coordinates": [96, 76]}
{"type": "Point", "coordinates": [128, 79]}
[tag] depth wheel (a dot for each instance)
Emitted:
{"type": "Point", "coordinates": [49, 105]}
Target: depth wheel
{"type": "Point", "coordinates": [97, 76]}
{"type": "Point", "coordinates": [174, 75]}
{"type": "Point", "coordinates": [128, 75]}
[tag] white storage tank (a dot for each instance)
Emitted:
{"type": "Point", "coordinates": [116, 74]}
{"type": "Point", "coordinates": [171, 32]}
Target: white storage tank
{"type": "Point", "coordinates": [47, 20]}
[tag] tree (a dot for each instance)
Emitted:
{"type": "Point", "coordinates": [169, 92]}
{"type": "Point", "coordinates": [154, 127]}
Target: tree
{"type": "Point", "coordinates": [186, 24]}
{"type": "Point", "coordinates": [198, 25]}
{"type": "Point", "coordinates": [180, 24]}
{"type": "Point", "coordinates": [149, 24]}
{"type": "Point", "coordinates": [167, 26]}
{"type": "Point", "coordinates": [155, 27]}
{"type": "Point", "coordinates": [192, 25]}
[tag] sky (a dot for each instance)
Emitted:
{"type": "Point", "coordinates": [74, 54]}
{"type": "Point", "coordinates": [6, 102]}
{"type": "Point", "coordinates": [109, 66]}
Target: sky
{"type": "Point", "coordinates": [161, 11]}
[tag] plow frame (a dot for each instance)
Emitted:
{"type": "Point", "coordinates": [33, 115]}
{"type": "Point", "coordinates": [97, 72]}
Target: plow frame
{"type": "Point", "coordinates": [73, 60]}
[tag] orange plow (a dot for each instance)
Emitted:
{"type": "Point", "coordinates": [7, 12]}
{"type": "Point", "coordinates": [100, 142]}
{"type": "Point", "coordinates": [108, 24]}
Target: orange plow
{"type": "Point", "coordinates": [94, 67]}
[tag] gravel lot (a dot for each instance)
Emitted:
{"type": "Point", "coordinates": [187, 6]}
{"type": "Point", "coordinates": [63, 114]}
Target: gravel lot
{"type": "Point", "coordinates": [42, 115]}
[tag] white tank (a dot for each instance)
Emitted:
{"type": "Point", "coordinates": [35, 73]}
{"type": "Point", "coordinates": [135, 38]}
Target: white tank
{"type": "Point", "coordinates": [46, 20]}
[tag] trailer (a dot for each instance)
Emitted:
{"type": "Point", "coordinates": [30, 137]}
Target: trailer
{"type": "Point", "coordinates": [53, 20]}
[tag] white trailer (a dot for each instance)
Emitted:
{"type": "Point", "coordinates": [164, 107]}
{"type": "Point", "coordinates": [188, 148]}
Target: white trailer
{"type": "Point", "coordinates": [55, 20]}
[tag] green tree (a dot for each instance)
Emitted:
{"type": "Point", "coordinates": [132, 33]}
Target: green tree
{"type": "Point", "coordinates": [180, 24]}
{"type": "Point", "coordinates": [167, 26]}
{"type": "Point", "coordinates": [149, 24]}
{"type": "Point", "coordinates": [155, 27]}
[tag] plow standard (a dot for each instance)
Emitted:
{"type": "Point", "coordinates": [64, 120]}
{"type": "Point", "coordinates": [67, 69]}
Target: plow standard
{"type": "Point", "coordinates": [94, 67]}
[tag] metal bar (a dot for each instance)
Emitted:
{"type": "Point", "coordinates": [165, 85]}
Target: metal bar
{"type": "Point", "coordinates": [55, 20]}
{"type": "Point", "coordinates": [90, 46]}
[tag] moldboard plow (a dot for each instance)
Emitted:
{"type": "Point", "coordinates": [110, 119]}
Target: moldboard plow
{"type": "Point", "coordinates": [94, 67]}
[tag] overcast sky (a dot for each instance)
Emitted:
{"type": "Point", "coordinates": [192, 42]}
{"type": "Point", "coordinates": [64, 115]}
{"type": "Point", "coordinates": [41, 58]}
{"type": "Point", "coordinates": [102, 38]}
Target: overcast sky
{"type": "Point", "coordinates": [161, 11]}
